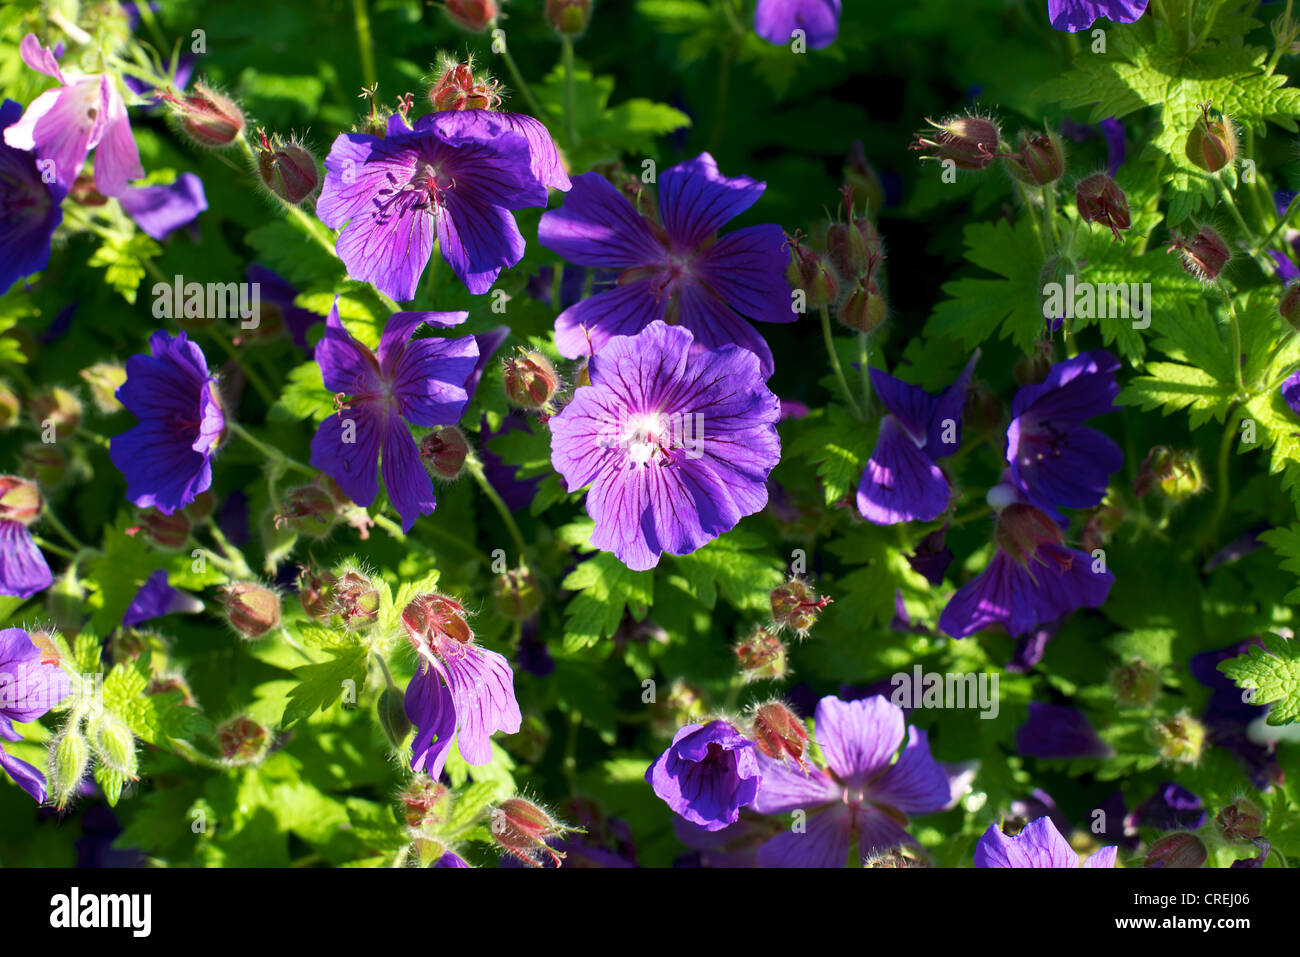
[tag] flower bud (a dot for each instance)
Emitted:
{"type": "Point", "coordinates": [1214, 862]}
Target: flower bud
{"type": "Point", "coordinates": [444, 451]}
{"type": "Point", "coordinates": [59, 408]}
{"type": "Point", "coordinates": [457, 88]}
{"type": "Point", "coordinates": [307, 510]}
{"type": "Point", "coordinates": [46, 465]}
{"type": "Point", "coordinates": [568, 17]}
{"type": "Point", "coordinates": [864, 310]}
{"type": "Point", "coordinates": [1100, 200]}
{"type": "Point", "coordinates": [104, 379]}
{"type": "Point", "coordinates": [971, 142]}
{"type": "Point", "coordinates": [251, 609]}
{"type": "Point", "coordinates": [1204, 253]}
{"type": "Point", "coordinates": [424, 801]}
{"type": "Point", "coordinates": [210, 118]}
{"type": "Point", "coordinates": [1242, 820]}
{"type": "Point", "coordinates": [862, 177]}
{"type": "Point", "coordinates": [1175, 474]}
{"type": "Point", "coordinates": [854, 248]}
{"type": "Point", "coordinates": [475, 15]}
{"type": "Point", "coordinates": [983, 409]}
{"type": "Point", "coordinates": [287, 169]}
{"type": "Point", "coordinates": [779, 734]}
{"type": "Point", "coordinates": [83, 191]}
{"type": "Point", "coordinates": [515, 594]}
{"type": "Point", "coordinates": [521, 829]}
{"type": "Point", "coordinates": [69, 758]}
{"type": "Point", "coordinates": [1288, 307]}
{"type": "Point", "coordinates": [316, 593]}
{"type": "Point", "coordinates": [897, 857]}
{"type": "Point", "coordinates": [531, 380]}
{"type": "Point", "coordinates": [1180, 738]}
{"type": "Point", "coordinates": [10, 406]}
{"type": "Point", "coordinates": [168, 532]}
{"type": "Point", "coordinates": [355, 600]}
{"type": "Point", "coordinates": [20, 500]}
{"type": "Point", "coordinates": [1177, 850]}
{"type": "Point", "coordinates": [436, 624]}
{"type": "Point", "coordinates": [1033, 368]}
{"type": "Point", "coordinates": [812, 273]}
{"type": "Point", "coordinates": [242, 740]}
{"type": "Point", "coordinates": [1039, 161]}
{"type": "Point", "coordinates": [1136, 684]}
{"type": "Point", "coordinates": [1211, 145]}
{"type": "Point", "coordinates": [391, 709]}
{"type": "Point", "coordinates": [1021, 529]}
{"type": "Point", "coordinates": [796, 606]}
{"type": "Point", "coordinates": [761, 655]}
{"type": "Point", "coordinates": [115, 744]}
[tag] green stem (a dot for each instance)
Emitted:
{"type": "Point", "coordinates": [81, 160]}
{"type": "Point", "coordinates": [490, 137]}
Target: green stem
{"type": "Point", "coordinates": [233, 557]}
{"type": "Point", "coordinates": [361, 16]}
{"type": "Point", "coordinates": [46, 545]}
{"type": "Point", "coordinates": [1221, 479]}
{"type": "Point", "coordinates": [522, 85]}
{"type": "Point", "coordinates": [720, 104]}
{"type": "Point", "coordinates": [1267, 240]}
{"type": "Point", "coordinates": [1247, 234]}
{"type": "Point", "coordinates": [835, 365]}
{"type": "Point", "coordinates": [1033, 219]}
{"type": "Point", "coordinates": [570, 110]}
{"type": "Point", "coordinates": [431, 528]}
{"type": "Point", "coordinates": [48, 514]}
{"type": "Point", "coordinates": [1236, 337]}
{"type": "Point", "coordinates": [1049, 215]}
{"type": "Point", "coordinates": [1281, 48]}
{"type": "Point", "coordinates": [151, 24]}
{"type": "Point", "coordinates": [475, 468]}
{"type": "Point", "coordinates": [864, 372]}
{"type": "Point", "coordinates": [269, 451]}
{"type": "Point", "coordinates": [254, 378]}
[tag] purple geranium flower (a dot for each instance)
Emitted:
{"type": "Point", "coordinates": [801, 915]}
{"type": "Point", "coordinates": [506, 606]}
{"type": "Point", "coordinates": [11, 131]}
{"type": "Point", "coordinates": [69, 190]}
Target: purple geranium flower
{"type": "Point", "coordinates": [167, 458]}
{"type": "Point", "coordinates": [1172, 808]}
{"type": "Point", "coordinates": [459, 690]}
{"type": "Point", "coordinates": [1075, 15]}
{"type": "Point", "coordinates": [678, 271]}
{"type": "Point", "coordinates": [676, 444]}
{"type": "Point", "coordinates": [160, 209]}
{"type": "Point", "coordinates": [901, 482]}
{"type": "Point", "coordinates": [1054, 458]}
{"type": "Point", "coordinates": [23, 569]}
{"type": "Point", "coordinates": [30, 685]}
{"type": "Point", "coordinates": [707, 774]}
{"type": "Point", "coordinates": [1033, 578]}
{"type": "Point", "coordinates": [29, 208]}
{"type": "Point", "coordinates": [1059, 732]}
{"type": "Point", "coordinates": [64, 124]}
{"type": "Point", "coordinates": [421, 382]}
{"type": "Point", "coordinates": [454, 178]}
{"type": "Point", "coordinates": [157, 598]}
{"type": "Point", "coordinates": [859, 805]}
{"type": "Point", "coordinates": [776, 20]}
{"type": "Point", "coordinates": [1291, 391]}
{"type": "Point", "coordinates": [1040, 844]}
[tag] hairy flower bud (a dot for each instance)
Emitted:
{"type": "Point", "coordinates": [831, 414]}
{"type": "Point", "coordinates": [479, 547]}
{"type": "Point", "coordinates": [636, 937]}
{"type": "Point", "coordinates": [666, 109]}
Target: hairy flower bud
{"type": "Point", "coordinates": [778, 733]}
{"type": "Point", "coordinates": [1242, 820]}
{"type": "Point", "coordinates": [475, 15]}
{"type": "Point", "coordinates": [59, 408]}
{"type": "Point", "coordinates": [1100, 200]}
{"type": "Point", "coordinates": [210, 118]}
{"type": "Point", "coordinates": [1211, 145]}
{"type": "Point", "coordinates": [104, 379]}
{"type": "Point", "coordinates": [307, 510]}
{"type": "Point", "coordinates": [971, 142]}
{"type": "Point", "coordinates": [864, 309]}
{"type": "Point", "coordinates": [983, 409]}
{"type": "Point", "coordinates": [1039, 161]}
{"type": "Point", "coordinates": [243, 741]}
{"type": "Point", "coordinates": [1180, 738]}
{"type": "Point", "coordinates": [859, 174]}
{"type": "Point", "coordinates": [424, 801]}
{"type": "Point", "coordinates": [458, 88]}
{"type": "Point", "coordinates": [436, 623]}
{"type": "Point", "coordinates": [568, 17]}
{"type": "Point", "coordinates": [20, 500]}
{"type": "Point", "coordinates": [115, 744]}
{"type": "Point", "coordinates": [1174, 473]}
{"type": "Point", "coordinates": [531, 380]}
{"type": "Point", "coordinates": [811, 272]}
{"type": "Point", "coordinates": [1204, 253]}
{"type": "Point", "coordinates": [251, 609]}
{"type": "Point", "coordinates": [1033, 368]}
{"type": "Point", "coordinates": [391, 711]}
{"type": "Point", "coordinates": [521, 829]}
{"type": "Point", "coordinates": [69, 757]}
{"type": "Point", "coordinates": [1177, 850]}
{"type": "Point", "coordinates": [287, 169]}
{"type": "Point", "coordinates": [796, 606]}
{"type": "Point", "coordinates": [1136, 684]}
{"type": "Point", "coordinates": [316, 593]}
{"type": "Point", "coordinates": [168, 532]}
{"type": "Point", "coordinates": [855, 249]}
{"type": "Point", "coordinates": [761, 655]}
{"type": "Point", "coordinates": [515, 594]}
{"type": "Point", "coordinates": [355, 600]}
{"type": "Point", "coordinates": [444, 451]}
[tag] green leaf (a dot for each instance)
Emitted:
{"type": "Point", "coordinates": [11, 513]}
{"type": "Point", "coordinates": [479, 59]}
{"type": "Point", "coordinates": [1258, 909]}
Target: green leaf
{"type": "Point", "coordinates": [731, 565]}
{"type": "Point", "coordinates": [607, 588]}
{"type": "Point", "coordinates": [304, 396]}
{"type": "Point", "coordinates": [123, 262]}
{"type": "Point", "coordinates": [1286, 542]}
{"type": "Point", "coordinates": [836, 444]}
{"type": "Point", "coordinates": [321, 685]}
{"type": "Point", "coordinates": [1273, 672]}
{"type": "Point", "coordinates": [1173, 386]}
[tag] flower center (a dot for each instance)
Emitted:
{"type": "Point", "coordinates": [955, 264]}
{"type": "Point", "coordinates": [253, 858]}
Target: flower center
{"type": "Point", "coordinates": [646, 435]}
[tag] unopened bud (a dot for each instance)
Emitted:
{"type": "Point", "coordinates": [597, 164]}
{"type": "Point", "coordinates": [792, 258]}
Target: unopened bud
{"type": "Point", "coordinates": [210, 118]}
{"type": "Point", "coordinates": [983, 410]}
{"type": "Point", "coordinates": [168, 532]}
{"type": "Point", "coordinates": [1177, 850]}
{"type": "Point", "coordinates": [1033, 368]}
{"type": "Point", "coordinates": [1136, 684]}
{"type": "Point", "coordinates": [475, 15]}
{"type": "Point", "coordinates": [1180, 738]}
{"type": "Point", "coordinates": [391, 710]}
{"type": "Point", "coordinates": [864, 309]}
{"type": "Point", "coordinates": [57, 407]}
{"type": "Point", "coordinates": [1288, 306]}
{"type": "Point", "coordinates": [796, 606]}
{"type": "Point", "coordinates": [307, 510]}
{"type": "Point", "coordinates": [104, 379]}
{"type": "Point", "coordinates": [44, 464]}
{"type": "Point", "coordinates": [115, 744]}
{"type": "Point", "coordinates": [761, 655]}
{"type": "Point", "coordinates": [355, 600]}
{"type": "Point", "coordinates": [531, 380]}
{"type": "Point", "coordinates": [1174, 473]}
{"type": "Point", "coordinates": [251, 609]}
{"type": "Point", "coordinates": [1204, 253]}
{"type": "Point", "coordinates": [287, 169]}
{"type": "Point", "coordinates": [424, 801]}
{"type": "Point", "coordinates": [779, 734]}
{"type": "Point", "coordinates": [971, 142]}
{"type": "Point", "coordinates": [20, 500]}
{"type": "Point", "coordinates": [855, 249]}
{"type": "Point", "coordinates": [1039, 161]}
{"type": "Point", "coordinates": [812, 273]}
{"type": "Point", "coordinates": [1242, 820]}
{"type": "Point", "coordinates": [521, 829]}
{"type": "Point", "coordinates": [316, 593]}
{"type": "Point", "coordinates": [68, 759]}
{"type": "Point", "coordinates": [457, 88]}
{"type": "Point", "coordinates": [1100, 200]}
{"type": "Point", "coordinates": [444, 451]}
{"type": "Point", "coordinates": [242, 740]}
{"type": "Point", "coordinates": [868, 191]}
{"type": "Point", "coordinates": [515, 594]}
{"type": "Point", "coordinates": [1211, 145]}
{"type": "Point", "coordinates": [568, 17]}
